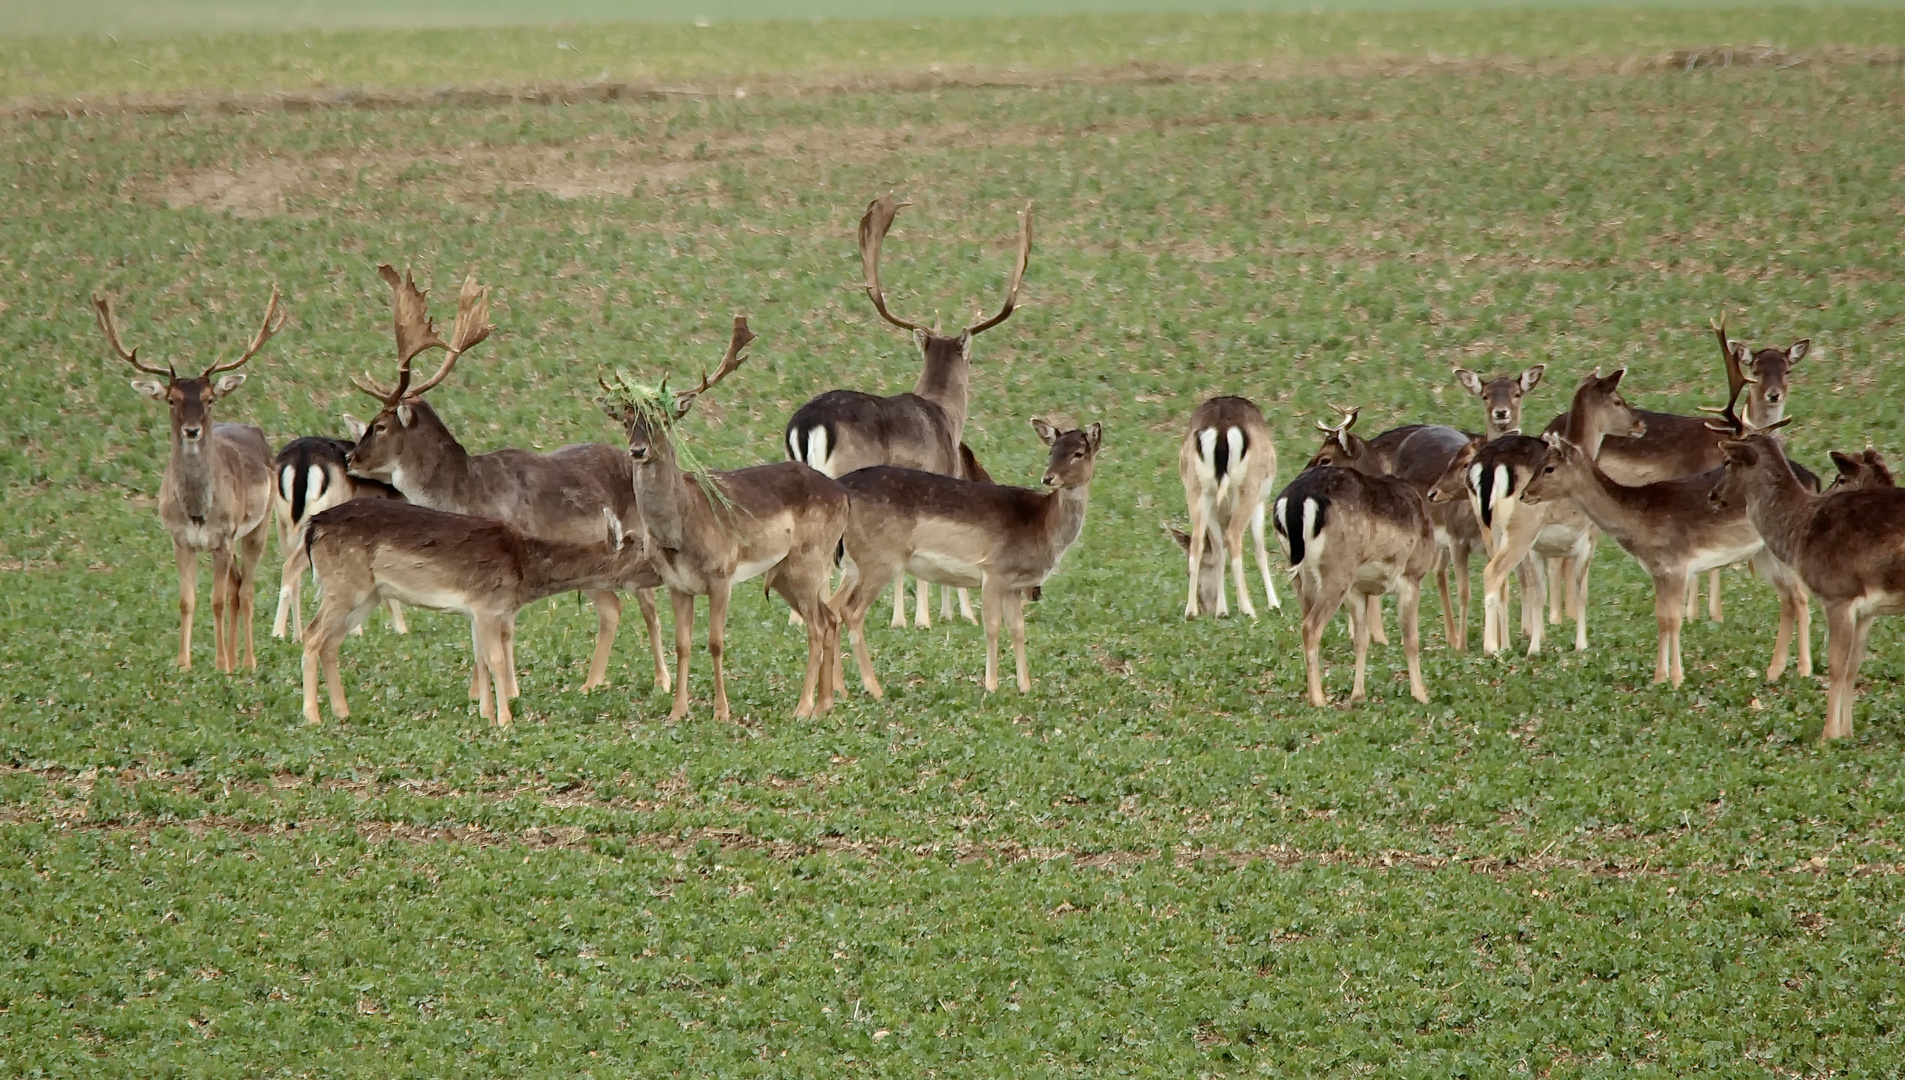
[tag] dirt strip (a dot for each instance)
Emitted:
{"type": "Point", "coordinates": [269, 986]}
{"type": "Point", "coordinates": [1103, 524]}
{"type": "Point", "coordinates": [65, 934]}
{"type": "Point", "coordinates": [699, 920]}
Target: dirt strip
{"type": "Point", "coordinates": [608, 91]}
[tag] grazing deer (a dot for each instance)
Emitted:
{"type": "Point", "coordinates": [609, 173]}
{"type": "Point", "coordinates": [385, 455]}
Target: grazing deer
{"type": "Point", "coordinates": [709, 532]}
{"type": "Point", "coordinates": [1418, 454]}
{"type": "Point", "coordinates": [1210, 565]}
{"type": "Point", "coordinates": [1674, 530]}
{"type": "Point", "coordinates": [1005, 541]}
{"type": "Point", "coordinates": [554, 496]}
{"type": "Point", "coordinates": [1350, 536]}
{"type": "Point", "coordinates": [1555, 531]}
{"type": "Point", "coordinates": [1227, 463]}
{"type": "Point", "coordinates": [216, 492]}
{"type": "Point", "coordinates": [313, 475]}
{"type": "Point", "coordinates": [369, 551]}
{"type": "Point", "coordinates": [1848, 548]}
{"type": "Point", "coordinates": [1501, 397]}
{"type": "Point", "coordinates": [844, 430]}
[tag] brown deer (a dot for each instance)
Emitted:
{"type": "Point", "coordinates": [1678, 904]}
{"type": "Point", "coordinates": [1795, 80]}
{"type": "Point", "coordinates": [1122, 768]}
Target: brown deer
{"type": "Point", "coordinates": [844, 430]}
{"type": "Point", "coordinates": [709, 532]}
{"type": "Point", "coordinates": [1353, 536]}
{"type": "Point", "coordinates": [555, 496]}
{"type": "Point", "coordinates": [1004, 541]}
{"type": "Point", "coordinates": [313, 475]}
{"type": "Point", "coordinates": [1848, 547]}
{"type": "Point", "coordinates": [1501, 397]}
{"type": "Point", "coordinates": [1860, 472]}
{"type": "Point", "coordinates": [370, 551]}
{"type": "Point", "coordinates": [216, 492]}
{"type": "Point", "coordinates": [1227, 463]}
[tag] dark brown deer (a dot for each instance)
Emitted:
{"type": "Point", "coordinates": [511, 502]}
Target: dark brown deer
{"type": "Point", "coordinates": [555, 496]}
{"type": "Point", "coordinates": [1860, 472]}
{"type": "Point", "coordinates": [708, 533]}
{"type": "Point", "coordinates": [1501, 397]}
{"type": "Point", "coordinates": [313, 475]}
{"type": "Point", "coordinates": [370, 551]}
{"type": "Point", "coordinates": [216, 492]}
{"type": "Point", "coordinates": [1004, 541]}
{"type": "Point", "coordinates": [1228, 463]}
{"type": "Point", "coordinates": [844, 430]}
{"type": "Point", "coordinates": [1848, 547]}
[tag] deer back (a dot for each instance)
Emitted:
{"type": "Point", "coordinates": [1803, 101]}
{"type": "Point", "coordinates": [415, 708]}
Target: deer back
{"type": "Point", "coordinates": [844, 430]}
{"type": "Point", "coordinates": [1227, 448]}
{"type": "Point", "coordinates": [1346, 517]}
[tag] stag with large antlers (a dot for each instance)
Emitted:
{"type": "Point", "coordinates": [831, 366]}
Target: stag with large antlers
{"type": "Point", "coordinates": [844, 430]}
{"type": "Point", "coordinates": [216, 493]}
{"type": "Point", "coordinates": [554, 496]}
{"type": "Point", "coordinates": [707, 532]}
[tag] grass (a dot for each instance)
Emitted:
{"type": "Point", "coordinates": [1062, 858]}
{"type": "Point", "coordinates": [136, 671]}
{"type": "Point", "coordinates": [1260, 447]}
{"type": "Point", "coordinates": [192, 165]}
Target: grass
{"type": "Point", "coordinates": [1162, 860]}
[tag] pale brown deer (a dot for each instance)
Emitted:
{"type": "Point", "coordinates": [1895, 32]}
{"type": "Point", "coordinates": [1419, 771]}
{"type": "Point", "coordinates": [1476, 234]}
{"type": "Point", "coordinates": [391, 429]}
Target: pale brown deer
{"type": "Point", "coordinates": [555, 496]}
{"type": "Point", "coordinates": [1352, 536]}
{"type": "Point", "coordinates": [707, 533]}
{"type": "Point", "coordinates": [313, 475]}
{"type": "Point", "coordinates": [1848, 547]}
{"type": "Point", "coordinates": [1227, 463]}
{"type": "Point", "coordinates": [370, 551]}
{"type": "Point", "coordinates": [843, 430]}
{"type": "Point", "coordinates": [1004, 541]}
{"type": "Point", "coordinates": [216, 492]}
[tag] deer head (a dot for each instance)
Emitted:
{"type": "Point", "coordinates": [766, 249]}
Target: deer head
{"type": "Point", "coordinates": [1860, 472]}
{"type": "Point", "coordinates": [1765, 371]}
{"type": "Point", "coordinates": [381, 446]}
{"type": "Point", "coordinates": [1565, 465]}
{"type": "Point", "coordinates": [190, 397]}
{"type": "Point", "coordinates": [1501, 396]}
{"type": "Point", "coordinates": [937, 347]}
{"type": "Point", "coordinates": [646, 413]}
{"type": "Point", "coordinates": [1073, 453]}
{"type": "Point", "coordinates": [1452, 486]}
{"type": "Point", "coordinates": [1341, 447]}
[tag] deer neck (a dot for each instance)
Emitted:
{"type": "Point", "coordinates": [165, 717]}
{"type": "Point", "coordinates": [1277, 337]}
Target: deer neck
{"type": "Point", "coordinates": [664, 496]}
{"type": "Point", "coordinates": [1779, 507]}
{"type": "Point", "coordinates": [194, 476]}
{"type": "Point", "coordinates": [945, 377]}
{"type": "Point", "coordinates": [1065, 516]}
{"type": "Point", "coordinates": [1585, 430]}
{"type": "Point", "coordinates": [440, 474]}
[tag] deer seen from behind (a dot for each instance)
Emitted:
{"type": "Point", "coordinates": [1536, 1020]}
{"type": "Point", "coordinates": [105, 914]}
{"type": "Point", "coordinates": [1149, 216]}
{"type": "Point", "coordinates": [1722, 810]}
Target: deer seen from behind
{"type": "Point", "coordinates": [843, 430]}
{"type": "Point", "coordinates": [312, 475]}
{"type": "Point", "coordinates": [216, 492]}
{"type": "Point", "coordinates": [1227, 463]}
{"type": "Point", "coordinates": [708, 532]}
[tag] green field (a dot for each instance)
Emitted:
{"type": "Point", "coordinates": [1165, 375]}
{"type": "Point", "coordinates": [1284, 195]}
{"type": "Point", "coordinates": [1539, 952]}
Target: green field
{"type": "Point", "coordinates": [1162, 861]}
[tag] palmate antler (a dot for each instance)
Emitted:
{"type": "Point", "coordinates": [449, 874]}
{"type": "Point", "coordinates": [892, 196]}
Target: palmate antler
{"type": "Point", "coordinates": [873, 229]}
{"type": "Point", "coordinates": [1737, 379]}
{"type": "Point", "coordinates": [416, 333]}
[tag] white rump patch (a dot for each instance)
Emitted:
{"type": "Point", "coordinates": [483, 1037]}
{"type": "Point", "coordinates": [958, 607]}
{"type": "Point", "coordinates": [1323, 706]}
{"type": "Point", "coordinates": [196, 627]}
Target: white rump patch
{"type": "Point", "coordinates": [1207, 456]}
{"type": "Point", "coordinates": [285, 476]}
{"type": "Point", "coordinates": [819, 454]}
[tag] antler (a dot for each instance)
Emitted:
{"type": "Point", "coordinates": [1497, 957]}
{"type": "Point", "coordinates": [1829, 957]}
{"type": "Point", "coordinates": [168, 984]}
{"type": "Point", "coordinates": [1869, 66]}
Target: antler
{"type": "Point", "coordinates": [873, 226]}
{"type": "Point", "coordinates": [471, 328]}
{"type": "Point", "coordinates": [742, 335]}
{"type": "Point", "coordinates": [273, 322]}
{"type": "Point", "coordinates": [102, 310]}
{"type": "Point", "coordinates": [416, 332]}
{"type": "Point", "coordinates": [1736, 380]}
{"type": "Point", "coordinates": [1018, 274]}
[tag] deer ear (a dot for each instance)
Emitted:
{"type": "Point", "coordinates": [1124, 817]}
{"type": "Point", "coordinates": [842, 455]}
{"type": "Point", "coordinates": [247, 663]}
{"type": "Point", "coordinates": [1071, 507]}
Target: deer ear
{"type": "Point", "coordinates": [149, 388]}
{"type": "Point", "coordinates": [1739, 453]}
{"type": "Point", "coordinates": [1095, 435]}
{"type": "Point", "coordinates": [1614, 380]}
{"type": "Point", "coordinates": [355, 426]}
{"type": "Point", "coordinates": [684, 402]}
{"type": "Point", "coordinates": [1846, 463]}
{"type": "Point", "coordinates": [229, 383]}
{"type": "Point", "coordinates": [406, 415]}
{"type": "Point", "coordinates": [1739, 351]}
{"type": "Point", "coordinates": [1799, 350]}
{"type": "Point", "coordinates": [1532, 377]}
{"type": "Point", "coordinates": [1183, 538]}
{"type": "Point", "coordinates": [1046, 432]}
{"type": "Point", "coordinates": [1469, 380]}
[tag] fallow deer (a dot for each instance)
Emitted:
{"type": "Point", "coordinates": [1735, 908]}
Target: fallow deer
{"type": "Point", "coordinates": [313, 475]}
{"type": "Point", "coordinates": [1005, 541]}
{"type": "Point", "coordinates": [1860, 472]}
{"type": "Point", "coordinates": [844, 430]}
{"type": "Point", "coordinates": [1555, 531]}
{"type": "Point", "coordinates": [1501, 397]}
{"type": "Point", "coordinates": [1211, 566]}
{"type": "Point", "coordinates": [1848, 547]}
{"type": "Point", "coordinates": [1674, 530]}
{"type": "Point", "coordinates": [369, 551]}
{"type": "Point", "coordinates": [1227, 463]}
{"type": "Point", "coordinates": [555, 496]}
{"type": "Point", "coordinates": [1351, 536]}
{"type": "Point", "coordinates": [708, 532]}
{"type": "Point", "coordinates": [216, 492]}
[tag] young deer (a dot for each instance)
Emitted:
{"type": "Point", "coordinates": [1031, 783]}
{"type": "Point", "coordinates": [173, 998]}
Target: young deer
{"type": "Point", "coordinates": [556, 496]}
{"type": "Point", "coordinates": [1351, 536]}
{"type": "Point", "coordinates": [1860, 472]}
{"type": "Point", "coordinates": [1555, 531]}
{"type": "Point", "coordinates": [369, 551]}
{"type": "Point", "coordinates": [313, 475]}
{"type": "Point", "coordinates": [216, 492]}
{"type": "Point", "coordinates": [1848, 547]}
{"type": "Point", "coordinates": [1501, 397]}
{"type": "Point", "coordinates": [1005, 541]}
{"type": "Point", "coordinates": [1227, 463]}
{"type": "Point", "coordinates": [708, 533]}
{"type": "Point", "coordinates": [844, 430]}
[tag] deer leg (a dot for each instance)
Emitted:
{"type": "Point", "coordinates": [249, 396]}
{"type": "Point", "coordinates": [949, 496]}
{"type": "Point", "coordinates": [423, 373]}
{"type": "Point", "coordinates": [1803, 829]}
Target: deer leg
{"type": "Point", "coordinates": [1464, 592]}
{"type": "Point", "coordinates": [251, 552]}
{"type": "Point", "coordinates": [1713, 597]}
{"type": "Point", "coordinates": [1359, 628]}
{"type": "Point", "coordinates": [223, 655]}
{"type": "Point", "coordinates": [1805, 626]}
{"type": "Point", "coordinates": [1408, 615]}
{"type": "Point", "coordinates": [899, 601]}
{"type": "Point", "coordinates": [1693, 596]}
{"type": "Point", "coordinates": [1669, 591]}
{"type": "Point", "coordinates": [1263, 557]}
{"type": "Point", "coordinates": [855, 627]}
{"type": "Point", "coordinates": [1374, 609]}
{"type": "Point", "coordinates": [965, 607]}
{"type": "Point", "coordinates": [645, 599]}
{"type": "Point", "coordinates": [396, 618]}
{"type": "Point", "coordinates": [1558, 573]}
{"type": "Point", "coordinates": [1200, 535]}
{"type": "Point", "coordinates": [1577, 598]}
{"type": "Point", "coordinates": [1234, 547]}
{"type": "Point", "coordinates": [480, 680]}
{"type": "Point", "coordinates": [608, 616]}
{"type": "Point", "coordinates": [1448, 606]}
{"type": "Point", "coordinates": [1533, 622]}
{"type": "Point", "coordinates": [188, 599]}
{"type": "Point", "coordinates": [718, 593]}
{"type": "Point", "coordinates": [290, 580]}
{"type": "Point", "coordinates": [496, 635]}
{"type": "Point", "coordinates": [508, 632]}
{"type": "Point", "coordinates": [1320, 601]}
{"type": "Point", "coordinates": [945, 603]}
{"type": "Point", "coordinates": [992, 604]}
{"type": "Point", "coordinates": [1015, 615]}
{"type": "Point", "coordinates": [1841, 631]}
{"type": "Point", "coordinates": [922, 616]}
{"type": "Point", "coordinates": [327, 655]}
{"type": "Point", "coordinates": [816, 692]}
{"type": "Point", "coordinates": [684, 605]}
{"type": "Point", "coordinates": [1769, 568]}
{"type": "Point", "coordinates": [1855, 656]}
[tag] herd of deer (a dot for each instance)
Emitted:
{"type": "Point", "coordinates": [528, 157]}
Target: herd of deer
{"type": "Point", "coordinates": [883, 487]}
